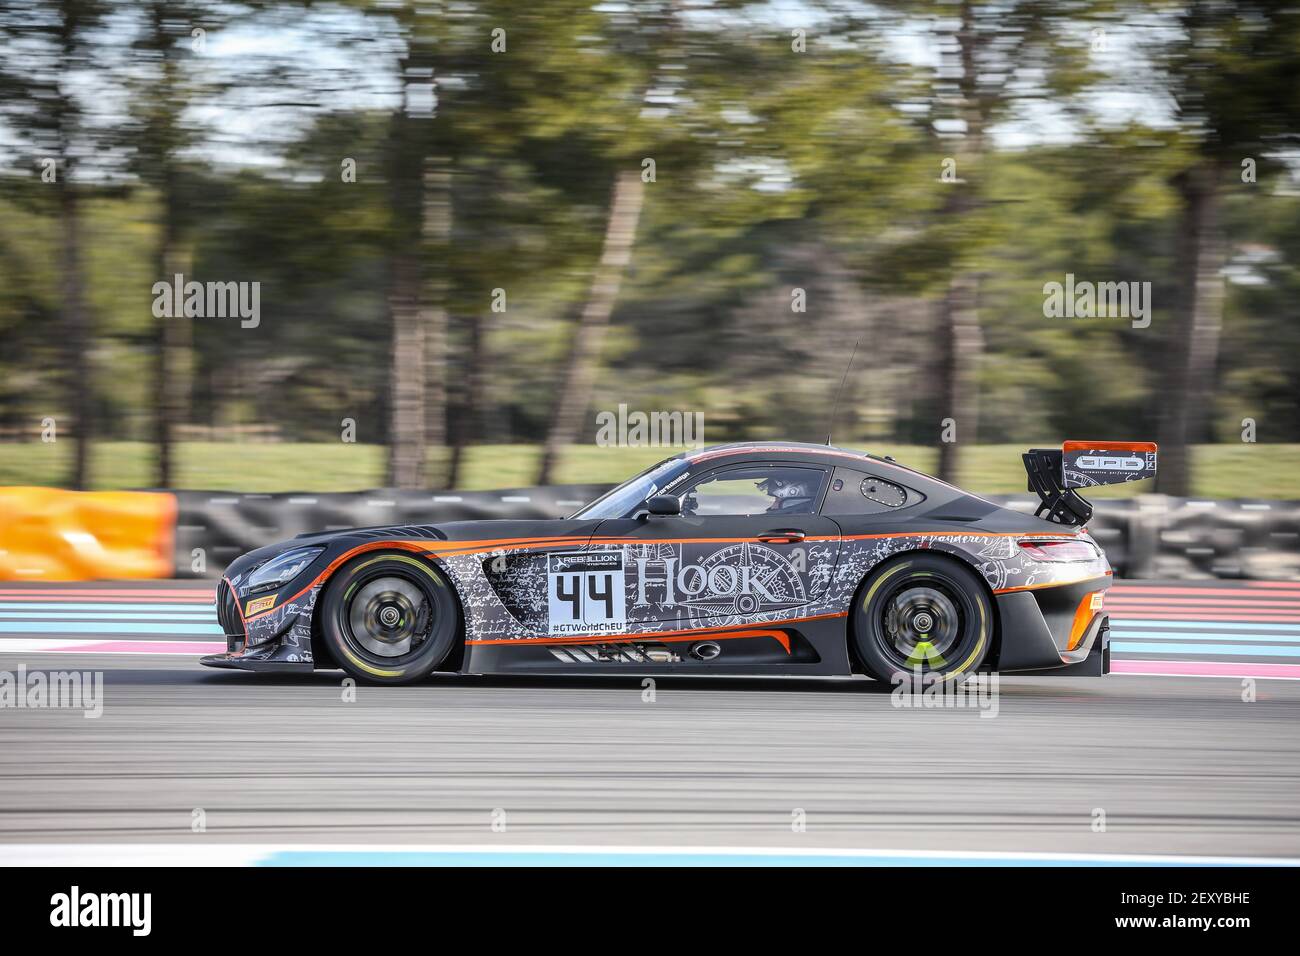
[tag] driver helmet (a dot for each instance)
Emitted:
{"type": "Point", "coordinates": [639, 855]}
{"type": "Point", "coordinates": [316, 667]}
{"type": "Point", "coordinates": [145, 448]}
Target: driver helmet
{"type": "Point", "coordinates": [782, 489]}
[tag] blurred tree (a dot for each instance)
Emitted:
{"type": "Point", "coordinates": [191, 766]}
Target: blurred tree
{"type": "Point", "coordinates": [771, 248]}
{"type": "Point", "coordinates": [491, 116]}
{"type": "Point", "coordinates": [488, 199]}
{"type": "Point", "coordinates": [50, 47]}
{"type": "Point", "coordinates": [159, 104]}
{"type": "Point", "coordinates": [994, 60]}
{"type": "Point", "coordinates": [420, 180]}
{"type": "Point", "coordinates": [961, 343]}
{"type": "Point", "coordinates": [648, 35]}
{"type": "Point", "coordinates": [579, 372]}
{"type": "Point", "coordinates": [1260, 355]}
{"type": "Point", "coordinates": [1231, 70]}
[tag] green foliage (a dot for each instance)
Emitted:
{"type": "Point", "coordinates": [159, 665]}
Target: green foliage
{"type": "Point", "coordinates": [1220, 471]}
{"type": "Point", "coordinates": [776, 170]}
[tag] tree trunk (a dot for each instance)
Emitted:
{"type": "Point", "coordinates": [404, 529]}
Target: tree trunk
{"type": "Point", "coordinates": [406, 434]}
{"type": "Point", "coordinates": [73, 319]}
{"type": "Point", "coordinates": [172, 369]}
{"type": "Point", "coordinates": [1192, 349]}
{"type": "Point", "coordinates": [435, 231]}
{"type": "Point", "coordinates": [174, 335]}
{"type": "Point", "coordinates": [959, 328]}
{"type": "Point", "coordinates": [421, 207]}
{"type": "Point", "coordinates": [172, 340]}
{"type": "Point", "coordinates": [76, 331]}
{"type": "Point", "coordinates": [469, 418]}
{"type": "Point", "coordinates": [584, 353]}
{"type": "Point", "coordinates": [850, 312]}
{"type": "Point", "coordinates": [413, 212]}
{"type": "Point", "coordinates": [961, 347]}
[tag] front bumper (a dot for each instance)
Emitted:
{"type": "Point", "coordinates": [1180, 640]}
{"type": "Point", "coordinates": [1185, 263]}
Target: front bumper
{"type": "Point", "coordinates": [276, 641]}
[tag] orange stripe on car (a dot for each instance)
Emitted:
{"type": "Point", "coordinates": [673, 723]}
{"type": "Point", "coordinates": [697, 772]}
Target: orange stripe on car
{"type": "Point", "coordinates": [724, 632]}
{"type": "Point", "coordinates": [404, 545]}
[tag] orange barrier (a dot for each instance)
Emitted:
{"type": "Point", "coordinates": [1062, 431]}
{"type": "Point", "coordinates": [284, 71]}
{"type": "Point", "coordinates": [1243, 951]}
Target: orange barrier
{"type": "Point", "coordinates": [47, 534]}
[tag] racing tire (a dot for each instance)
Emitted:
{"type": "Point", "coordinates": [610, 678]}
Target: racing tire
{"type": "Point", "coordinates": [922, 611]}
{"type": "Point", "coordinates": [389, 618]}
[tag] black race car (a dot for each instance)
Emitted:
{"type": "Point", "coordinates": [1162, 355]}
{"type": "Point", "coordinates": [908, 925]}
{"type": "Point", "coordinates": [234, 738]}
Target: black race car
{"type": "Point", "coordinates": [755, 558]}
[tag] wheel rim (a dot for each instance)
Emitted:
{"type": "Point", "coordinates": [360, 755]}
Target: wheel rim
{"type": "Point", "coordinates": [389, 617]}
{"type": "Point", "coordinates": [921, 624]}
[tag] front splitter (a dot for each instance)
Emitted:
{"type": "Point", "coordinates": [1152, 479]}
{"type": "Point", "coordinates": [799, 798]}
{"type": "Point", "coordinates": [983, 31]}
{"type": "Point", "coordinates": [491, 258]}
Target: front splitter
{"type": "Point", "coordinates": [237, 663]}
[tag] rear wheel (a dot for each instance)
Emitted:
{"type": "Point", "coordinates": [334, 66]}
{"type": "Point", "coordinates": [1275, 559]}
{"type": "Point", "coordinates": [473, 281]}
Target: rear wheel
{"type": "Point", "coordinates": [925, 613]}
{"type": "Point", "coordinates": [389, 618]}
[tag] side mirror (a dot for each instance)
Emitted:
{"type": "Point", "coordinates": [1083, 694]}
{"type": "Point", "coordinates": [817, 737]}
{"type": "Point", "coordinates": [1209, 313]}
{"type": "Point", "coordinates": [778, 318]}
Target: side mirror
{"type": "Point", "coordinates": [664, 505]}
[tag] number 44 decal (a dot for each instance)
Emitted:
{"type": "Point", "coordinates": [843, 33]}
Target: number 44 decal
{"type": "Point", "coordinates": [585, 592]}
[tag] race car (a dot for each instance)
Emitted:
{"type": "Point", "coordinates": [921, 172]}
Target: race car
{"type": "Point", "coordinates": [740, 559]}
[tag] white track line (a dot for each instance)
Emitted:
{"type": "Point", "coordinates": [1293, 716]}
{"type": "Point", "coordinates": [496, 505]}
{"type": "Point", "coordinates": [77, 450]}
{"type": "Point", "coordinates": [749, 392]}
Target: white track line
{"type": "Point", "coordinates": [194, 853]}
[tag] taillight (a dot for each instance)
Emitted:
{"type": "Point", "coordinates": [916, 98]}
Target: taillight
{"type": "Point", "coordinates": [1072, 550]}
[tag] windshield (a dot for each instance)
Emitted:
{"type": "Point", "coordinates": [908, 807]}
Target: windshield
{"type": "Point", "coordinates": [621, 500]}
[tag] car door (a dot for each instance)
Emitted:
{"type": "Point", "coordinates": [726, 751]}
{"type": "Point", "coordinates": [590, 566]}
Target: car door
{"type": "Point", "coordinates": [749, 547]}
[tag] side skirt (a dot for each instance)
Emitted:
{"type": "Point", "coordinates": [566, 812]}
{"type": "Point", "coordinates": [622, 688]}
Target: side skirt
{"type": "Point", "coordinates": [815, 649]}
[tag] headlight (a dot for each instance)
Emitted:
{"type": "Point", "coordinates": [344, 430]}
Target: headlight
{"type": "Point", "coordinates": [282, 569]}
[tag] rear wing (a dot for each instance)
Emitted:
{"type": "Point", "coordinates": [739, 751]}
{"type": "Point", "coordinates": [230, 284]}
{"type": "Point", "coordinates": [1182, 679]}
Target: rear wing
{"type": "Point", "coordinates": [1054, 474]}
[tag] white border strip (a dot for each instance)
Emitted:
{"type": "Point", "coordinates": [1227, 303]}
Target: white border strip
{"type": "Point", "coordinates": [246, 854]}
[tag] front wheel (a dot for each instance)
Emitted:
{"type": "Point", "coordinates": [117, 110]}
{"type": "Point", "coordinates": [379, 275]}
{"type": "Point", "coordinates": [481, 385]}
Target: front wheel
{"type": "Point", "coordinates": [922, 613]}
{"type": "Point", "coordinates": [389, 618]}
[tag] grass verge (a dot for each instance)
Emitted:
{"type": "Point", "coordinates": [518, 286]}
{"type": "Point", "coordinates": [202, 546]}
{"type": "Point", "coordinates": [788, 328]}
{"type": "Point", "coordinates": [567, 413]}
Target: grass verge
{"type": "Point", "coordinates": [1219, 471]}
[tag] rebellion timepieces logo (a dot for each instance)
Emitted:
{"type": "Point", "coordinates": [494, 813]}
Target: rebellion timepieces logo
{"type": "Point", "coordinates": [740, 579]}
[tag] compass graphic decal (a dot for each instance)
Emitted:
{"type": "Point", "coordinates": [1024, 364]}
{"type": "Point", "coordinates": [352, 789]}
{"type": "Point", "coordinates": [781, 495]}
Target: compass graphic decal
{"type": "Point", "coordinates": [742, 580]}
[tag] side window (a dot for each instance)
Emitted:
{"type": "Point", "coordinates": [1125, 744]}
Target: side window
{"type": "Point", "coordinates": [756, 490]}
{"type": "Point", "coordinates": [854, 492]}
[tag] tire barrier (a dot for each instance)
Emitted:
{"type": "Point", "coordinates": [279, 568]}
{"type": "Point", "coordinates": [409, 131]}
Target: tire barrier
{"type": "Point", "coordinates": [52, 535]}
{"type": "Point", "coordinates": [1177, 539]}
{"type": "Point", "coordinates": [1190, 538]}
{"type": "Point", "coordinates": [47, 534]}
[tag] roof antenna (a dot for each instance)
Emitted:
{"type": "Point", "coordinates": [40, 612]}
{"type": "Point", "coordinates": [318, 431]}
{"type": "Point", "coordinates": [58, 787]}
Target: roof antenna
{"type": "Point", "coordinates": [839, 391]}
